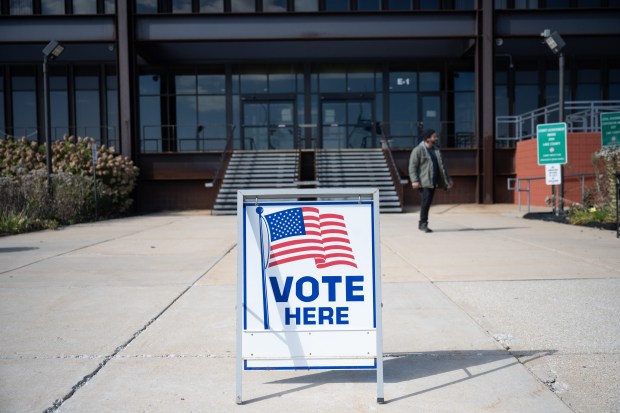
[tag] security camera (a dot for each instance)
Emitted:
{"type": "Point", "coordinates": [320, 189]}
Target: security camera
{"type": "Point", "coordinates": [545, 33]}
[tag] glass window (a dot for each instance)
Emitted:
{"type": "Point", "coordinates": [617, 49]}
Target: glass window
{"type": "Point", "coordinates": [430, 4]}
{"type": "Point", "coordinates": [557, 4]}
{"type": "Point", "coordinates": [361, 81]}
{"type": "Point", "coordinates": [212, 121]}
{"type": "Point", "coordinates": [282, 83]}
{"type": "Point", "coordinates": [84, 6]}
{"type": "Point", "coordinates": [253, 83]}
{"type": "Point", "coordinates": [2, 123]}
{"type": "Point", "coordinates": [150, 85]}
{"type": "Point", "coordinates": [87, 109]}
{"type": "Point", "coordinates": [53, 7]}
{"type": "Point", "coordinates": [368, 5]}
{"type": "Point", "coordinates": [468, 5]}
{"type": "Point", "coordinates": [150, 124]}
{"type": "Point", "coordinates": [588, 85]}
{"type": "Point", "coordinates": [242, 6]}
{"type": "Point", "coordinates": [403, 116]}
{"type": "Point", "coordinates": [146, 6]}
{"type": "Point", "coordinates": [109, 7]}
{"type": "Point", "coordinates": [333, 79]}
{"type": "Point", "coordinates": [59, 106]}
{"type": "Point", "coordinates": [614, 84]}
{"type": "Point", "coordinates": [24, 107]}
{"type": "Point", "coordinates": [185, 84]}
{"type": "Point", "coordinates": [429, 81]}
{"type": "Point", "coordinates": [526, 95]}
{"type": "Point", "coordinates": [275, 5]}
{"type": "Point", "coordinates": [337, 5]}
{"type": "Point", "coordinates": [306, 5]}
{"type": "Point", "coordinates": [211, 84]}
{"type": "Point", "coordinates": [399, 5]}
{"type": "Point", "coordinates": [112, 106]}
{"type": "Point", "coordinates": [20, 7]}
{"type": "Point", "coordinates": [186, 123]}
{"type": "Point", "coordinates": [181, 6]}
{"type": "Point", "coordinates": [526, 4]}
{"type": "Point", "coordinates": [211, 6]}
{"type": "Point", "coordinates": [464, 119]}
{"type": "Point", "coordinates": [464, 81]}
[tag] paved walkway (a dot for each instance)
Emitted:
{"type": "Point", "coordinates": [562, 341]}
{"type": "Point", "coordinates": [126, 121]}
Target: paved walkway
{"type": "Point", "coordinates": [491, 312]}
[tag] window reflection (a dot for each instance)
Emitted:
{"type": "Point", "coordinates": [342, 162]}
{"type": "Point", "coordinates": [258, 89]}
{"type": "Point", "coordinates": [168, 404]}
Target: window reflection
{"type": "Point", "coordinates": [24, 107]}
{"type": "Point", "coordinates": [87, 108]}
{"type": "Point", "coordinates": [59, 106]}
{"type": "Point", "coordinates": [242, 6]}
{"type": "Point", "coordinates": [53, 7]}
{"type": "Point", "coordinates": [84, 6]}
{"type": "Point", "coordinates": [306, 5]}
{"type": "Point", "coordinates": [20, 7]}
{"type": "Point", "coordinates": [211, 6]}
{"type": "Point", "coordinates": [2, 123]}
{"type": "Point", "coordinates": [146, 6]}
{"type": "Point", "coordinates": [275, 5]}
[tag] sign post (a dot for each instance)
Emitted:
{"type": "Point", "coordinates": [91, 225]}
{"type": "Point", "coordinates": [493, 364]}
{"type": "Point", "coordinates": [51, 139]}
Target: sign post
{"type": "Point", "coordinates": [610, 129]}
{"type": "Point", "coordinates": [308, 281]}
{"type": "Point", "coordinates": [552, 150]}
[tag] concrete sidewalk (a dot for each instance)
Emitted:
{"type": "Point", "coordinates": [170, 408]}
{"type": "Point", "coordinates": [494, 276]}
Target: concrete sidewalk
{"type": "Point", "coordinates": [491, 312]}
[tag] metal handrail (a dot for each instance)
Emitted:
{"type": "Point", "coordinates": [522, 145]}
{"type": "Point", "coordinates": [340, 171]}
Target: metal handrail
{"type": "Point", "coordinates": [518, 181]}
{"type": "Point", "coordinates": [581, 116]}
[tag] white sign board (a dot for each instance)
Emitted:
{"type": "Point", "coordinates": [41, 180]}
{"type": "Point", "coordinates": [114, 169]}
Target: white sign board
{"type": "Point", "coordinates": [553, 174]}
{"type": "Point", "coordinates": [309, 284]}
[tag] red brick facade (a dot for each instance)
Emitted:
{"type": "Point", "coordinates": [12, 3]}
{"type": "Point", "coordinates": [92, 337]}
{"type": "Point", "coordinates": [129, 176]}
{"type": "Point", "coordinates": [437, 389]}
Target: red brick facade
{"type": "Point", "coordinates": [581, 147]}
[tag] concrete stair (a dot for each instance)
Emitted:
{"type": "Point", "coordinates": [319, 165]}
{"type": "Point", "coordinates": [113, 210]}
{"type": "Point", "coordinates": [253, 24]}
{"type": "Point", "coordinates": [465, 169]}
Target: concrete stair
{"type": "Point", "coordinates": [256, 170]}
{"type": "Point", "coordinates": [346, 168]}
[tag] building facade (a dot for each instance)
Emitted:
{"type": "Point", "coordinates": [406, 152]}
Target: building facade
{"type": "Point", "coordinates": [177, 84]}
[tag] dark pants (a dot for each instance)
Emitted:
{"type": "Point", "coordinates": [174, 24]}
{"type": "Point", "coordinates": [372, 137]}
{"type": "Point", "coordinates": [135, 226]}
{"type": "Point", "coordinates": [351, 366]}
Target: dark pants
{"type": "Point", "coordinates": [427, 199]}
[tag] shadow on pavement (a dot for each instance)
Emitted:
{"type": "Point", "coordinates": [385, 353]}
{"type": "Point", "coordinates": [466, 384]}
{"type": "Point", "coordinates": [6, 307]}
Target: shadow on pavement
{"type": "Point", "coordinates": [404, 367]}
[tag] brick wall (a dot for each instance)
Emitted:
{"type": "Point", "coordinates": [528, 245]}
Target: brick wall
{"type": "Point", "coordinates": [581, 147]}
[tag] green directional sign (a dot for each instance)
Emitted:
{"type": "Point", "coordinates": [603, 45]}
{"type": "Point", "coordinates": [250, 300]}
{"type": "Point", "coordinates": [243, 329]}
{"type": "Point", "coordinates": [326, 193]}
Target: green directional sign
{"type": "Point", "coordinates": [551, 143]}
{"type": "Point", "coordinates": [610, 129]}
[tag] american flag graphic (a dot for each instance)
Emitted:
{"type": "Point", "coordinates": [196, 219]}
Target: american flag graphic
{"type": "Point", "coordinates": [301, 233]}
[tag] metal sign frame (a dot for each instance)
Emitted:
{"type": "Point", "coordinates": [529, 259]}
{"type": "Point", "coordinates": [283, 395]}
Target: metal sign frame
{"type": "Point", "coordinates": [290, 199]}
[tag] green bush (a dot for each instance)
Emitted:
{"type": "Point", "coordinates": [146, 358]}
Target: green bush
{"type": "Point", "coordinates": [599, 203]}
{"type": "Point", "coordinates": [31, 205]}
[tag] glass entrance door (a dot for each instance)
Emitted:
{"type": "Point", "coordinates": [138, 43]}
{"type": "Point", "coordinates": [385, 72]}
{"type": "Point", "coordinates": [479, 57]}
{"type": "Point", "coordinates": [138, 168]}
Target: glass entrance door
{"type": "Point", "coordinates": [429, 112]}
{"type": "Point", "coordinates": [348, 123]}
{"type": "Point", "coordinates": [268, 124]}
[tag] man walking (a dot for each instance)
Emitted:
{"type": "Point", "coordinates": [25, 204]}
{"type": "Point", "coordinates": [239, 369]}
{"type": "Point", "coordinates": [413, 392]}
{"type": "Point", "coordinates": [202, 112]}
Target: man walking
{"type": "Point", "coordinates": [427, 172]}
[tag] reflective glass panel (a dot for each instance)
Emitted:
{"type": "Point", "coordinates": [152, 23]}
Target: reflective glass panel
{"type": "Point", "coordinates": [368, 5]}
{"type": "Point", "coordinates": [59, 106]}
{"type": "Point", "coordinates": [150, 123]}
{"type": "Point", "coordinates": [337, 5]}
{"type": "Point", "coordinates": [2, 124]}
{"type": "Point", "coordinates": [87, 110]}
{"type": "Point", "coordinates": [146, 6]}
{"type": "Point", "coordinates": [211, 84]}
{"type": "Point", "coordinates": [274, 5]}
{"type": "Point", "coordinates": [242, 6]}
{"type": "Point", "coordinates": [24, 107]}
{"type": "Point", "coordinates": [84, 6]}
{"type": "Point", "coordinates": [112, 106]}
{"type": "Point", "coordinates": [332, 81]}
{"type": "Point", "coordinates": [20, 7]}
{"type": "Point", "coordinates": [361, 82]}
{"type": "Point", "coordinates": [399, 5]}
{"type": "Point", "coordinates": [150, 85]}
{"type": "Point", "coordinates": [211, 6]}
{"type": "Point", "coordinates": [430, 4]}
{"type": "Point", "coordinates": [185, 84]}
{"type": "Point", "coordinates": [254, 83]}
{"type": "Point", "coordinates": [212, 117]}
{"type": "Point", "coordinates": [429, 81]}
{"type": "Point", "coordinates": [306, 5]}
{"type": "Point", "coordinates": [282, 83]}
{"type": "Point", "coordinates": [181, 6]}
{"type": "Point", "coordinates": [53, 7]}
{"type": "Point", "coordinates": [403, 117]}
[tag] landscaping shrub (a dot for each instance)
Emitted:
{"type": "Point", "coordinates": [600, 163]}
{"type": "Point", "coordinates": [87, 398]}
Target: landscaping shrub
{"type": "Point", "coordinates": [27, 202]}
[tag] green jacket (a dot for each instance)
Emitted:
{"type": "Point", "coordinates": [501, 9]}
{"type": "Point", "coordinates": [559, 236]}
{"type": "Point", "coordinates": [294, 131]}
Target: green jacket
{"type": "Point", "coordinates": [421, 167]}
